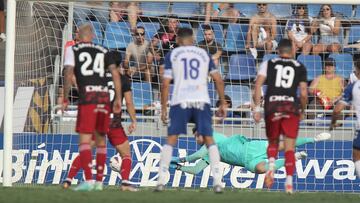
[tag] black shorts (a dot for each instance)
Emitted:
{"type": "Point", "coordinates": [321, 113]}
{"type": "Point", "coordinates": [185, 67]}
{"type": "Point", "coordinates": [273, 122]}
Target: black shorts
{"type": "Point", "coordinates": [2, 6]}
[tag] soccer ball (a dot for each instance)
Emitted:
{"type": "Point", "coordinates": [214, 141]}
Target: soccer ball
{"type": "Point", "coordinates": [115, 163]}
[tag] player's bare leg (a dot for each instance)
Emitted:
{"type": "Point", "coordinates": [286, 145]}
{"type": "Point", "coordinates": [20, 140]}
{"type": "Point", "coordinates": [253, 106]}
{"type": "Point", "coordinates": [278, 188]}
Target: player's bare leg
{"type": "Point", "coordinates": [214, 163]}
{"type": "Point", "coordinates": [124, 151]}
{"type": "Point", "coordinates": [86, 158]}
{"type": "Point", "coordinates": [165, 158]}
{"type": "Point", "coordinates": [272, 152]}
{"type": "Point", "coordinates": [100, 160]}
{"type": "Point", "coordinates": [289, 163]}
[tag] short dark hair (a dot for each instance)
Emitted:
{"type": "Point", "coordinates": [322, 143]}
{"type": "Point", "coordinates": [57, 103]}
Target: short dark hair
{"type": "Point", "coordinates": [207, 27]}
{"type": "Point", "coordinates": [227, 100]}
{"type": "Point", "coordinates": [357, 63]}
{"type": "Point", "coordinates": [184, 32]}
{"type": "Point", "coordinates": [330, 62]}
{"type": "Point", "coordinates": [285, 46]}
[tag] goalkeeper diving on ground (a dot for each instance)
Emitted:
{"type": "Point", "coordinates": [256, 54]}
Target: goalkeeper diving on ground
{"type": "Point", "coordinates": [237, 150]}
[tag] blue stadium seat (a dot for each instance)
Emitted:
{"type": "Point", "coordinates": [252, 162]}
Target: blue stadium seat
{"type": "Point", "coordinates": [154, 8]}
{"type": "Point", "coordinates": [150, 29]}
{"type": "Point", "coordinates": [313, 65]}
{"type": "Point", "coordinates": [239, 94]}
{"type": "Point", "coordinates": [186, 9]}
{"type": "Point", "coordinates": [344, 64]}
{"type": "Point", "coordinates": [269, 57]}
{"type": "Point", "coordinates": [354, 35]}
{"type": "Point", "coordinates": [241, 67]}
{"type": "Point", "coordinates": [117, 35]}
{"type": "Point", "coordinates": [236, 37]}
{"type": "Point", "coordinates": [280, 10]}
{"type": "Point", "coordinates": [142, 94]}
{"type": "Point", "coordinates": [350, 125]}
{"type": "Point", "coordinates": [313, 10]}
{"type": "Point", "coordinates": [218, 31]}
{"type": "Point", "coordinates": [323, 121]}
{"type": "Point", "coordinates": [357, 12]}
{"type": "Point", "coordinates": [247, 9]}
{"type": "Point", "coordinates": [185, 24]}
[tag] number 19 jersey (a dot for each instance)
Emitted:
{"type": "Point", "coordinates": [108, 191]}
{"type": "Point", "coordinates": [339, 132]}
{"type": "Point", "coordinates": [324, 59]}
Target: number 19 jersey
{"type": "Point", "coordinates": [282, 79]}
{"type": "Point", "coordinates": [189, 67]}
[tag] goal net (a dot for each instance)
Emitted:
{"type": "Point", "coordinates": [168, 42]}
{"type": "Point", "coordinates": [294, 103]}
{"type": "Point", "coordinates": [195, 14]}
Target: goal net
{"type": "Point", "coordinates": [45, 142]}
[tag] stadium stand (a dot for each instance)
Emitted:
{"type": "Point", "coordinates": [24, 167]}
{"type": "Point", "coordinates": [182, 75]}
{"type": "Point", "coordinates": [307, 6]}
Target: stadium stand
{"type": "Point", "coordinates": [150, 29]}
{"type": "Point", "coordinates": [185, 9]}
{"type": "Point", "coordinates": [218, 32]}
{"type": "Point", "coordinates": [236, 37]}
{"type": "Point", "coordinates": [142, 94]}
{"type": "Point", "coordinates": [344, 64]}
{"type": "Point", "coordinates": [313, 65]}
{"type": "Point", "coordinates": [242, 67]}
{"type": "Point", "coordinates": [117, 35]}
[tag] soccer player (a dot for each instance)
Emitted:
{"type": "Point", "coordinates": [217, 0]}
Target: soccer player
{"type": "Point", "coordinates": [351, 96]}
{"type": "Point", "coordinates": [237, 150]}
{"type": "Point", "coordinates": [116, 135]}
{"type": "Point", "coordinates": [189, 67]}
{"type": "Point", "coordinates": [89, 63]}
{"type": "Point", "coordinates": [282, 76]}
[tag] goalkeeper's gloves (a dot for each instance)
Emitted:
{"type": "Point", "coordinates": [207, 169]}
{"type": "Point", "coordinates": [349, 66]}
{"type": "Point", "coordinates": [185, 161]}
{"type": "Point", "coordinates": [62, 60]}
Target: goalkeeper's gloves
{"type": "Point", "coordinates": [175, 166]}
{"type": "Point", "coordinates": [176, 160]}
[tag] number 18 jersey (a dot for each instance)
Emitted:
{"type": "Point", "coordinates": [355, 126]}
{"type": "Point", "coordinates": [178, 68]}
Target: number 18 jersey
{"type": "Point", "coordinates": [282, 79]}
{"type": "Point", "coordinates": [189, 67]}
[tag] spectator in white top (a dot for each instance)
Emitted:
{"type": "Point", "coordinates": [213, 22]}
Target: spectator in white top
{"type": "Point", "coordinates": [329, 27]}
{"type": "Point", "coordinates": [298, 30]}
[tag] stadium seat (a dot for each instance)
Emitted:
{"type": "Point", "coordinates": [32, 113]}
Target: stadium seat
{"type": "Point", "coordinates": [323, 121]}
{"type": "Point", "coordinates": [344, 64]}
{"type": "Point", "coordinates": [142, 94]}
{"type": "Point", "coordinates": [154, 8]}
{"type": "Point", "coordinates": [247, 9]}
{"type": "Point", "coordinates": [280, 10]}
{"type": "Point", "coordinates": [236, 37]}
{"type": "Point", "coordinates": [313, 65]}
{"type": "Point", "coordinates": [241, 67]}
{"type": "Point", "coordinates": [269, 57]}
{"type": "Point", "coordinates": [150, 29]}
{"type": "Point", "coordinates": [185, 9]}
{"type": "Point", "coordinates": [350, 125]}
{"type": "Point", "coordinates": [354, 35]}
{"type": "Point", "coordinates": [357, 12]}
{"type": "Point", "coordinates": [185, 24]}
{"type": "Point", "coordinates": [239, 94]}
{"type": "Point", "coordinates": [117, 35]}
{"type": "Point", "coordinates": [218, 31]}
{"type": "Point", "coordinates": [212, 94]}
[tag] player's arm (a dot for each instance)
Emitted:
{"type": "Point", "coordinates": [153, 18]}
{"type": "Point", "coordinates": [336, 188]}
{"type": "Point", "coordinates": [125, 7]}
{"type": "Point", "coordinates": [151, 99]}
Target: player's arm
{"type": "Point", "coordinates": [126, 60]}
{"type": "Point", "coordinates": [303, 97]}
{"type": "Point", "coordinates": [69, 65]}
{"type": "Point", "coordinates": [219, 83]}
{"type": "Point", "coordinates": [131, 110]}
{"type": "Point", "coordinates": [260, 80]}
{"type": "Point", "coordinates": [273, 28]}
{"type": "Point", "coordinates": [167, 77]}
{"type": "Point", "coordinates": [201, 153]}
{"type": "Point", "coordinates": [340, 106]}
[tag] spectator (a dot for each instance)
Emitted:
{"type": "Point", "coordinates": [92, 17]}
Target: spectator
{"type": "Point", "coordinates": [221, 10]}
{"type": "Point", "coordinates": [228, 106]}
{"type": "Point", "coordinates": [163, 42]}
{"type": "Point", "coordinates": [92, 10]}
{"type": "Point", "coordinates": [329, 27]}
{"type": "Point", "coordinates": [326, 88]}
{"type": "Point", "coordinates": [210, 45]}
{"type": "Point", "coordinates": [136, 63]}
{"type": "Point", "coordinates": [120, 10]}
{"type": "Point", "coordinates": [298, 30]}
{"type": "Point", "coordinates": [353, 76]}
{"type": "Point", "coordinates": [262, 30]}
{"type": "Point", "coordinates": [2, 21]}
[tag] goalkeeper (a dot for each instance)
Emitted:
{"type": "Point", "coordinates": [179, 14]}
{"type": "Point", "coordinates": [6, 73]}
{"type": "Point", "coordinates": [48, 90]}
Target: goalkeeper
{"type": "Point", "coordinates": [237, 150]}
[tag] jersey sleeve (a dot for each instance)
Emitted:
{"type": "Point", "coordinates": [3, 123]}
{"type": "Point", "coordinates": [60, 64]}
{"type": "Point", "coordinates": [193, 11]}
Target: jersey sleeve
{"type": "Point", "coordinates": [347, 94]}
{"type": "Point", "coordinates": [168, 72]}
{"type": "Point", "coordinates": [212, 67]}
{"type": "Point", "coordinates": [109, 59]}
{"type": "Point", "coordinates": [69, 59]}
{"type": "Point", "coordinates": [263, 68]}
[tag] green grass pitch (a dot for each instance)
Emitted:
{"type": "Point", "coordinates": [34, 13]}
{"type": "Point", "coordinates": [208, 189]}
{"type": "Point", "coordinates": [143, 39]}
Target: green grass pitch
{"type": "Point", "coordinates": [54, 194]}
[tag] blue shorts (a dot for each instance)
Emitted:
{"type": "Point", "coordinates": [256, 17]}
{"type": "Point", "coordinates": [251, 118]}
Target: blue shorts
{"type": "Point", "coordinates": [356, 141]}
{"type": "Point", "coordinates": [179, 118]}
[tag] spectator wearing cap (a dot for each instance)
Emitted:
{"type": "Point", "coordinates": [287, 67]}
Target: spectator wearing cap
{"type": "Point", "coordinates": [329, 27]}
{"type": "Point", "coordinates": [136, 62]}
{"type": "Point", "coordinates": [210, 45]}
{"type": "Point", "coordinates": [299, 31]}
{"type": "Point", "coordinates": [327, 88]}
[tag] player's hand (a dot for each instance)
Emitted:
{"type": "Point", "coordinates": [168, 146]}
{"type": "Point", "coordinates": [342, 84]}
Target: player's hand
{"type": "Point", "coordinates": [257, 116]}
{"type": "Point", "coordinates": [117, 105]}
{"type": "Point", "coordinates": [164, 117]}
{"type": "Point", "coordinates": [221, 112]}
{"type": "Point", "coordinates": [132, 127]}
{"type": "Point", "coordinates": [64, 105]}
